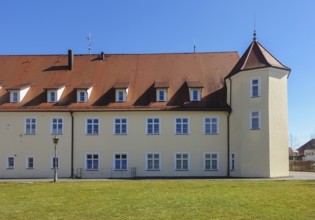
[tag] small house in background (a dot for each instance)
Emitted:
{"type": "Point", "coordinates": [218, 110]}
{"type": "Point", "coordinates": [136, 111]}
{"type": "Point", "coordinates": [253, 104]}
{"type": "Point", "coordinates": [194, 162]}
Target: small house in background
{"type": "Point", "coordinates": [307, 151]}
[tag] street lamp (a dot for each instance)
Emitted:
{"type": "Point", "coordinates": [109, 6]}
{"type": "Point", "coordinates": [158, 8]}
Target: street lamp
{"type": "Point", "coordinates": [55, 164]}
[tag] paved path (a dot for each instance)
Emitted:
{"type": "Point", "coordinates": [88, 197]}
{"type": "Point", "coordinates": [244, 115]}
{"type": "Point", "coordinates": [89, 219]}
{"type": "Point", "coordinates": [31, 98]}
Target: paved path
{"type": "Point", "coordinates": [292, 176]}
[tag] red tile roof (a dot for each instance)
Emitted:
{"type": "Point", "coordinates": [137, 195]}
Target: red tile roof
{"type": "Point", "coordinates": [255, 57]}
{"type": "Point", "coordinates": [142, 72]}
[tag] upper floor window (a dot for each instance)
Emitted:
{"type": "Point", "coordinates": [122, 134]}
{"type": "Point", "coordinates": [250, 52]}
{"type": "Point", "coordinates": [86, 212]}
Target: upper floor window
{"type": "Point", "coordinates": [211, 161]}
{"type": "Point", "coordinates": [255, 87]}
{"type": "Point", "coordinates": [14, 96]}
{"type": "Point", "coordinates": [211, 125]}
{"type": "Point", "coordinates": [153, 125]}
{"type": "Point", "coordinates": [120, 125]}
{"type": "Point", "coordinates": [30, 126]}
{"type": "Point", "coordinates": [121, 95]}
{"type": "Point", "coordinates": [52, 96]}
{"type": "Point", "coordinates": [82, 96]}
{"type": "Point", "coordinates": [195, 94]}
{"type": "Point", "coordinates": [92, 161]}
{"type": "Point", "coordinates": [254, 120]}
{"type": "Point", "coordinates": [182, 125]}
{"type": "Point", "coordinates": [161, 95]}
{"type": "Point", "coordinates": [92, 126]}
{"type": "Point", "coordinates": [57, 126]}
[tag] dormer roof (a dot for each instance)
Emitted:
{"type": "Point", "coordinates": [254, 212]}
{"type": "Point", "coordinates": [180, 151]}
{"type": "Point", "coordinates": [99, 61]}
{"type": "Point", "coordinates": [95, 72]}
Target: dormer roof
{"type": "Point", "coordinates": [255, 57]}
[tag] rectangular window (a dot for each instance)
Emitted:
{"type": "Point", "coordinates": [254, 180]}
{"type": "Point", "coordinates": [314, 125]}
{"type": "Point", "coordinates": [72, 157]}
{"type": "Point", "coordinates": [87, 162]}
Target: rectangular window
{"type": "Point", "coordinates": [195, 94]}
{"type": "Point", "coordinates": [121, 161]}
{"type": "Point", "coordinates": [181, 125]}
{"type": "Point", "coordinates": [153, 161]}
{"type": "Point", "coordinates": [181, 161]}
{"type": "Point", "coordinates": [92, 162]}
{"type": "Point", "coordinates": [52, 96]}
{"type": "Point", "coordinates": [153, 125]}
{"type": "Point", "coordinates": [232, 161]}
{"type": "Point", "coordinates": [255, 88]}
{"type": "Point", "coordinates": [30, 163]}
{"type": "Point", "coordinates": [54, 162]}
{"type": "Point", "coordinates": [14, 96]}
{"type": "Point", "coordinates": [161, 95]}
{"type": "Point", "coordinates": [211, 125]}
{"type": "Point", "coordinates": [82, 96]}
{"type": "Point", "coordinates": [92, 126]}
{"type": "Point", "coordinates": [30, 126]}
{"type": "Point", "coordinates": [211, 161]}
{"type": "Point", "coordinates": [10, 163]}
{"type": "Point", "coordinates": [120, 126]}
{"type": "Point", "coordinates": [255, 120]}
{"type": "Point", "coordinates": [57, 126]}
{"type": "Point", "coordinates": [121, 95]}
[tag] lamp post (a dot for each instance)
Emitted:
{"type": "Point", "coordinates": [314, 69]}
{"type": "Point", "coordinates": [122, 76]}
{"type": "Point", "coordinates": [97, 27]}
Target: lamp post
{"type": "Point", "coordinates": [55, 141]}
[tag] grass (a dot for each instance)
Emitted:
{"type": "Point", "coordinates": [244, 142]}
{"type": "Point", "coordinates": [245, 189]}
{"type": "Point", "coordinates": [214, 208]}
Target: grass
{"type": "Point", "coordinates": [158, 199]}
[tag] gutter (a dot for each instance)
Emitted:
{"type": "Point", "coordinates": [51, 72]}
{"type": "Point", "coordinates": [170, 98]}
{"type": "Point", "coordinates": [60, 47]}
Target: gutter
{"type": "Point", "coordinates": [228, 131]}
{"type": "Point", "coordinates": [72, 144]}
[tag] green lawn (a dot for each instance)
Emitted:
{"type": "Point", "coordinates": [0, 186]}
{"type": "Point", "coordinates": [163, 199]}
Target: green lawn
{"type": "Point", "coordinates": [158, 199]}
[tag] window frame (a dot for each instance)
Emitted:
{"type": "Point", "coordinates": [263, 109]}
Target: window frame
{"type": "Point", "coordinates": [120, 126]}
{"type": "Point", "coordinates": [121, 167]}
{"type": "Point", "coordinates": [154, 168]}
{"type": "Point", "coordinates": [158, 97]}
{"type": "Point", "coordinates": [52, 125]}
{"type": "Point", "coordinates": [153, 123]}
{"type": "Point", "coordinates": [49, 96]}
{"type": "Point", "coordinates": [52, 160]}
{"type": "Point", "coordinates": [27, 162]}
{"type": "Point", "coordinates": [87, 124]}
{"type": "Point", "coordinates": [124, 95]}
{"type": "Point", "coordinates": [8, 162]}
{"type": "Point", "coordinates": [31, 130]}
{"type": "Point", "coordinates": [210, 124]}
{"type": "Point", "coordinates": [211, 159]}
{"type": "Point", "coordinates": [252, 85]}
{"type": "Point", "coordinates": [251, 118]}
{"type": "Point", "coordinates": [181, 125]}
{"type": "Point", "coordinates": [79, 97]}
{"type": "Point", "coordinates": [15, 96]}
{"type": "Point", "coordinates": [181, 161]}
{"type": "Point", "coordinates": [192, 94]}
{"type": "Point", "coordinates": [86, 163]}
{"type": "Point", "coordinates": [232, 161]}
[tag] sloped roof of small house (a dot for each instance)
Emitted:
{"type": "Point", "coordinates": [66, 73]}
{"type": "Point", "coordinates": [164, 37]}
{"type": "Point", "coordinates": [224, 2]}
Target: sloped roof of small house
{"type": "Point", "coordinates": [309, 145]}
{"type": "Point", "coordinates": [255, 57]}
{"type": "Point", "coordinates": [142, 73]}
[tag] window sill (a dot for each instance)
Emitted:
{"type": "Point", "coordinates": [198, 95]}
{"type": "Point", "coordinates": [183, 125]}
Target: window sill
{"type": "Point", "coordinates": [181, 134]}
{"type": "Point", "coordinates": [211, 170]}
{"type": "Point", "coordinates": [152, 170]}
{"type": "Point", "coordinates": [153, 134]}
{"type": "Point", "coordinates": [255, 129]}
{"type": "Point", "coordinates": [255, 96]}
{"type": "Point", "coordinates": [211, 133]}
{"type": "Point", "coordinates": [92, 170]}
{"type": "Point", "coordinates": [10, 168]}
{"type": "Point", "coordinates": [182, 170]}
{"type": "Point", "coordinates": [30, 168]}
{"type": "Point", "coordinates": [120, 134]}
{"type": "Point", "coordinates": [30, 134]}
{"type": "Point", "coordinates": [92, 134]}
{"type": "Point", "coordinates": [120, 170]}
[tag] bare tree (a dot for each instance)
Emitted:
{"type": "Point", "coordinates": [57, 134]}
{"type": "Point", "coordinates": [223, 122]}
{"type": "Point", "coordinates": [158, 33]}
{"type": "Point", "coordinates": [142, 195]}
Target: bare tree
{"type": "Point", "coordinates": [293, 142]}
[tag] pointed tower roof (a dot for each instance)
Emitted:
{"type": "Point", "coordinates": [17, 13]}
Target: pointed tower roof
{"type": "Point", "coordinates": [255, 57]}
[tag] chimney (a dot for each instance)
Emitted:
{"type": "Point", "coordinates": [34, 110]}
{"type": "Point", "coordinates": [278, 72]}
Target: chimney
{"type": "Point", "coordinates": [70, 59]}
{"type": "Point", "coordinates": [102, 56]}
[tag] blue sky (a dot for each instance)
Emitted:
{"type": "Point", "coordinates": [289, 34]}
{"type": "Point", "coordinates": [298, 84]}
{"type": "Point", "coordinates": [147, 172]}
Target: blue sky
{"type": "Point", "coordinates": [285, 27]}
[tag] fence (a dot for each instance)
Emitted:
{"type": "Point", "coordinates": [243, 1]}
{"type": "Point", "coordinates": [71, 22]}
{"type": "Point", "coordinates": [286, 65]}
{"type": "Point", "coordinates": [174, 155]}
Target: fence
{"type": "Point", "coordinates": [299, 165]}
{"type": "Point", "coordinates": [105, 173]}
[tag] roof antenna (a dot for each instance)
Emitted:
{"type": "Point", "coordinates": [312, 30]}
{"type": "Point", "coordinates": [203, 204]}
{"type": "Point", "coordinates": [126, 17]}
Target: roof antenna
{"type": "Point", "coordinates": [90, 40]}
{"type": "Point", "coordinates": [194, 46]}
{"type": "Point", "coordinates": [254, 27]}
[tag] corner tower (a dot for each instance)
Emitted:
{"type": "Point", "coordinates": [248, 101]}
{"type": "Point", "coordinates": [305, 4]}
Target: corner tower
{"type": "Point", "coordinates": [258, 123]}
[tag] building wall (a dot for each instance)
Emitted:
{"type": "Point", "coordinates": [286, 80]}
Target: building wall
{"type": "Point", "coordinates": [15, 143]}
{"type": "Point", "coordinates": [261, 152]}
{"type": "Point", "coordinates": [309, 154]}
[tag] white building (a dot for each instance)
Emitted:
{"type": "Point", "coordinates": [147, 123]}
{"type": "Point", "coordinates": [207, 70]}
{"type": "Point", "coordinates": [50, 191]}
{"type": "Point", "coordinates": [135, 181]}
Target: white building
{"type": "Point", "coordinates": [144, 115]}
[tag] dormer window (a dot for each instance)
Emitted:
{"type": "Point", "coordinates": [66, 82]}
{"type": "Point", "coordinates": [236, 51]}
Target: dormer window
{"type": "Point", "coordinates": [52, 96]}
{"type": "Point", "coordinates": [14, 96]}
{"type": "Point", "coordinates": [195, 88]}
{"type": "Point", "coordinates": [161, 91]}
{"type": "Point", "coordinates": [54, 92]}
{"type": "Point", "coordinates": [121, 91]}
{"type": "Point", "coordinates": [18, 92]}
{"type": "Point", "coordinates": [84, 92]}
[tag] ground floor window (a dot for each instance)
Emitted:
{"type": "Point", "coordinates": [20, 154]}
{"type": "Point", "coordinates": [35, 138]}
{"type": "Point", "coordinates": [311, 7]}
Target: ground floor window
{"type": "Point", "coordinates": [232, 161]}
{"type": "Point", "coordinates": [211, 161]}
{"type": "Point", "coordinates": [153, 161]}
{"type": "Point", "coordinates": [92, 161]}
{"type": "Point", "coordinates": [121, 161]}
{"type": "Point", "coordinates": [181, 161]}
{"type": "Point", "coordinates": [54, 162]}
{"type": "Point", "coordinates": [10, 163]}
{"type": "Point", "coordinates": [30, 162]}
